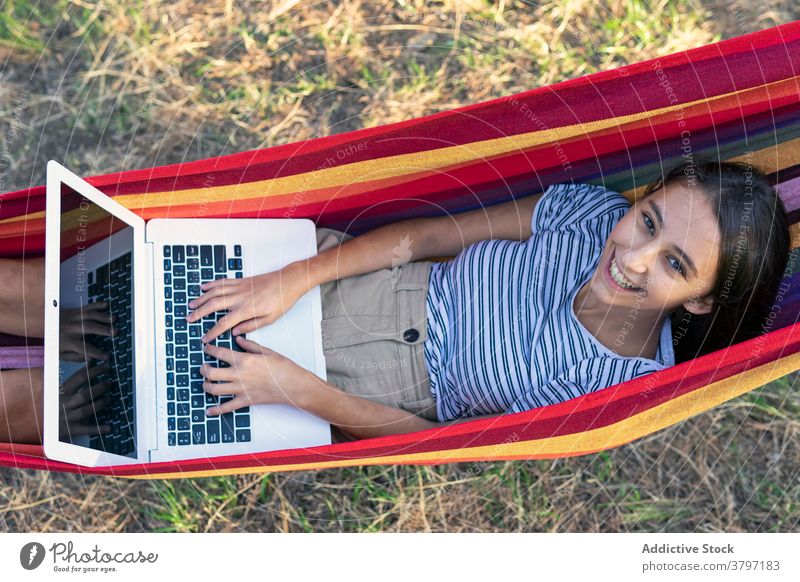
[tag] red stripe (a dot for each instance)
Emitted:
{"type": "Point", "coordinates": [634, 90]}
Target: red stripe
{"type": "Point", "coordinates": [695, 71]}
{"type": "Point", "coordinates": [587, 412]}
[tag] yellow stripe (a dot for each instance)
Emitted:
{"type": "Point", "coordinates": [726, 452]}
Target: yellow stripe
{"type": "Point", "coordinates": [620, 433]}
{"type": "Point", "coordinates": [392, 166]}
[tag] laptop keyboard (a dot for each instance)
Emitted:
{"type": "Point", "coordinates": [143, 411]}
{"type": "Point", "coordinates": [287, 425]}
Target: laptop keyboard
{"type": "Point", "coordinates": [186, 267]}
{"type": "Point", "coordinates": [113, 283]}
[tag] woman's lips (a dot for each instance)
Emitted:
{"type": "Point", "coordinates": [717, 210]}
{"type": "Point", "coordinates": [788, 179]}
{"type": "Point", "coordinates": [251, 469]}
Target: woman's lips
{"type": "Point", "coordinates": [611, 280]}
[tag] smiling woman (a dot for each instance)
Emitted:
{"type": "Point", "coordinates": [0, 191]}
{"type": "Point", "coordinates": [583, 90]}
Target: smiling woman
{"type": "Point", "coordinates": [734, 230]}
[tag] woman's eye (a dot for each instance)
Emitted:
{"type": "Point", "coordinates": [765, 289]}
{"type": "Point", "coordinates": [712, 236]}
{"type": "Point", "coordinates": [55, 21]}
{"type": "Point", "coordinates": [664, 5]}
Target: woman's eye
{"type": "Point", "coordinates": [676, 265]}
{"type": "Point", "coordinates": [649, 223]}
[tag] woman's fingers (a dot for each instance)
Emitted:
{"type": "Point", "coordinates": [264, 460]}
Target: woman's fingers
{"type": "Point", "coordinates": [252, 325]}
{"type": "Point", "coordinates": [90, 394]}
{"type": "Point", "coordinates": [87, 429]}
{"type": "Point", "coordinates": [95, 328]}
{"type": "Point", "coordinates": [230, 406]}
{"type": "Point", "coordinates": [224, 324]}
{"type": "Point", "coordinates": [220, 303]}
{"type": "Point", "coordinates": [88, 410]}
{"type": "Point", "coordinates": [215, 374]}
{"type": "Point", "coordinates": [82, 376]}
{"type": "Point", "coordinates": [212, 289]}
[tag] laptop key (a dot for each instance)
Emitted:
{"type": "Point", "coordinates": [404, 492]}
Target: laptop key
{"type": "Point", "coordinates": [243, 436]}
{"type": "Point", "coordinates": [171, 439]}
{"type": "Point", "coordinates": [199, 435]}
{"type": "Point", "coordinates": [219, 258]}
{"type": "Point", "coordinates": [242, 421]}
{"type": "Point", "coordinates": [167, 252]}
{"type": "Point", "coordinates": [183, 395]}
{"type": "Point", "coordinates": [182, 381]}
{"type": "Point", "coordinates": [181, 352]}
{"type": "Point", "coordinates": [179, 271]}
{"type": "Point", "coordinates": [179, 284]}
{"type": "Point", "coordinates": [181, 324]}
{"type": "Point", "coordinates": [193, 264]}
{"type": "Point", "coordinates": [198, 402]}
{"type": "Point", "coordinates": [206, 274]}
{"type": "Point", "coordinates": [182, 409]}
{"type": "Point", "coordinates": [184, 438]}
{"type": "Point", "coordinates": [237, 250]}
{"type": "Point", "coordinates": [171, 423]}
{"type": "Point", "coordinates": [198, 416]}
{"type": "Point", "coordinates": [182, 366]}
{"type": "Point", "coordinates": [227, 428]}
{"type": "Point", "coordinates": [193, 277]}
{"type": "Point", "coordinates": [212, 431]}
{"type": "Point", "coordinates": [191, 251]}
{"type": "Point", "coordinates": [206, 256]}
{"type": "Point", "coordinates": [183, 423]}
{"type": "Point", "coordinates": [180, 311]}
{"type": "Point", "coordinates": [178, 254]}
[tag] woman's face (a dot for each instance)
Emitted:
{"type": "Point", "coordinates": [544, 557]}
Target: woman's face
{"type": "Point", "coordinates": [667, 245]}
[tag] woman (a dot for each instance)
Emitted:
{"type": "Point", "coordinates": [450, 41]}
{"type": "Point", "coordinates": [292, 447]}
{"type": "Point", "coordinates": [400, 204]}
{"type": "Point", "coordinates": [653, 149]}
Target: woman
{"type": "Point", "coordinates": [550, 297]}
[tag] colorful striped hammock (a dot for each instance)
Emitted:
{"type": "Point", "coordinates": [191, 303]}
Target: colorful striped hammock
{"type": "Point", "coordinates": [737, 99]}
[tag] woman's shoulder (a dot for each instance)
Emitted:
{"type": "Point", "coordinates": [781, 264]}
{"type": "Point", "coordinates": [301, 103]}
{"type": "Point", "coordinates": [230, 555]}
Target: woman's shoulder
{"type": "Point", "coordinates": [563, 205]}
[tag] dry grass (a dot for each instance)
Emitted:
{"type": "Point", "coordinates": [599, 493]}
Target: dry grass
{"type": "Point", "coordinates": [108, 86]}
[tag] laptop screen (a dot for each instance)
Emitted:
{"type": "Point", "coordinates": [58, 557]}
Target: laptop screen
{"type": "Point", "coordinates": [96, 401]}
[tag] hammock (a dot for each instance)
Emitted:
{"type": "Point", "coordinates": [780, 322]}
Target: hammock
{"type": "Point", "coordinates": [737, 99]}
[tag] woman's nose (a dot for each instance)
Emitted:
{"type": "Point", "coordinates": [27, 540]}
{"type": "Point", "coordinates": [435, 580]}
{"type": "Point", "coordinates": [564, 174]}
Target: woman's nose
{"type": "Point", "coordinates": [641, 260]}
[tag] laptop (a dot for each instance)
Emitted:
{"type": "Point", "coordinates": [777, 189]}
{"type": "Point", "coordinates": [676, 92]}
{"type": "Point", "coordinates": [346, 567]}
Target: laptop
{"type": "Point", "coordinates": [99, 251]}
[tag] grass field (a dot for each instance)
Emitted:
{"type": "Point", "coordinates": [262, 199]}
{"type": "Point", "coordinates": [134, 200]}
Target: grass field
{"type": "Point", "coordinates": [107, 86]}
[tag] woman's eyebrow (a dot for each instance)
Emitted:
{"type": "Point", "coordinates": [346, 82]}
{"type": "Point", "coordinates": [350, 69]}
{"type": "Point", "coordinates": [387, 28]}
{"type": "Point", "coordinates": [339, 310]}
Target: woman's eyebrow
{"type": "Point", "coordinates": [679, 250]}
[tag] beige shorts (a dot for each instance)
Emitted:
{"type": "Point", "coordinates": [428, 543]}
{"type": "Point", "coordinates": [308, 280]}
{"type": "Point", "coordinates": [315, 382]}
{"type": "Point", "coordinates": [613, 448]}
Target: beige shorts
{"type": "Point", "coordinates": [373, 329]}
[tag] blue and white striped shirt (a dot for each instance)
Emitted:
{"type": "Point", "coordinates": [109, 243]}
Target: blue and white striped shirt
{"type": "Point", "coordinates": [502, 334]}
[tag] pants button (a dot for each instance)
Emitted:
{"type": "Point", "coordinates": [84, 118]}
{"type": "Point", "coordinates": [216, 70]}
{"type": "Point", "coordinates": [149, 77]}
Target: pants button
{"type": "Point", "coordinates": [411, 335]}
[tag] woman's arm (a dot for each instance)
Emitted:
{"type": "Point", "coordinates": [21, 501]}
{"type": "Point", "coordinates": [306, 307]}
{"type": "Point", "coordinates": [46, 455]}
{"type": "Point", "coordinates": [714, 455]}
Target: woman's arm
{"type": "Point", "coordinates": [21, 405]}
{"type": "Point", "coordinates": [258, 301]}
{"type": "Point", "coordinates": [263, 376]}
{"type": "Point", "coordinates": [22, 297]}
{"type": "Point", "coordinates": [419, 239]}
{"type": "Point", "coordinates": [358, 416]}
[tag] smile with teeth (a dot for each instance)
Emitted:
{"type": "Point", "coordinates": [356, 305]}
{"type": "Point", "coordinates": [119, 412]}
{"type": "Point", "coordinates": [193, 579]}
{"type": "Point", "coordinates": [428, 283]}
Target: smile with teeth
{"type": "Point", "coordinates": [619, 278]}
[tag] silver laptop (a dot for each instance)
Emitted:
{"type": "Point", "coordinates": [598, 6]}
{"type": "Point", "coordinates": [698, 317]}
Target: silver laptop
{"type": "Point", "coordinates": [97, 250]}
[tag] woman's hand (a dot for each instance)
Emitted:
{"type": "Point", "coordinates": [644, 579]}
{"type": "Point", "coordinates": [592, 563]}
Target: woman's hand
{"type": "Point", "coordinates": [76, 324]}
{"type": "Point", "coordinates": [79, 401]}
{"type": "Point", "coordinates": [253, 302]}
{"type": "Point", "coordinates": [258, 375]}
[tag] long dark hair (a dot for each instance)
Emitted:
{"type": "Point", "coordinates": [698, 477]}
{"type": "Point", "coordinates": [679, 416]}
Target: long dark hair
{"type": "Point", "coordinates": [755, 249]}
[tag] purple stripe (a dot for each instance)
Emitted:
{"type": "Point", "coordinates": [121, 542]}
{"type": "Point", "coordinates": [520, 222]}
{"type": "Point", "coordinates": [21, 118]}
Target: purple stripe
{"type": "Point", "coordinates": [21, 357]}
